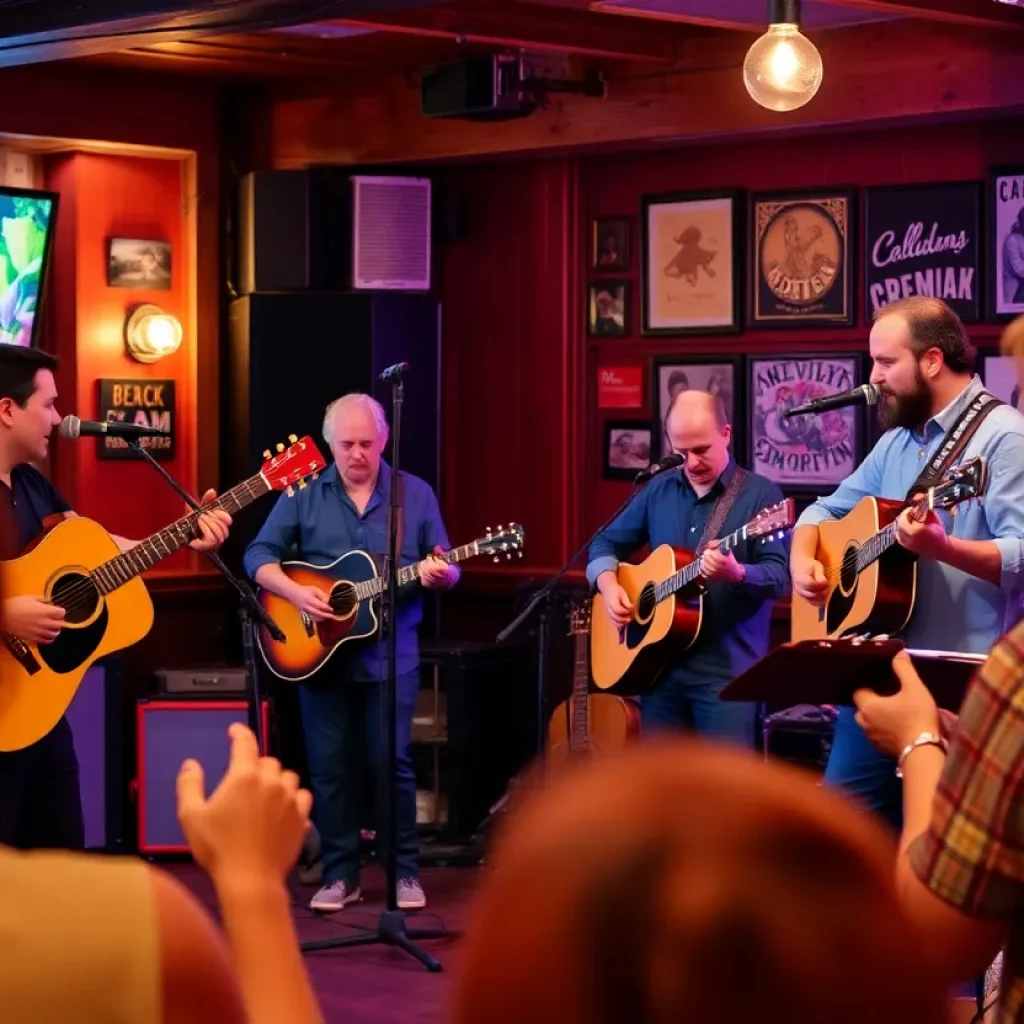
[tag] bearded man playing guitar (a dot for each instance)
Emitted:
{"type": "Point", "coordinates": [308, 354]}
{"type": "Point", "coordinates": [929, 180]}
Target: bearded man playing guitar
{"type": "Point", "coordinates": [969, 579]}
{"type": "Point", "coordinates": [346, 509]}
{"type": "Point", "coordinates": [675, 508]}
{"type": "Point", "coordinates": [40, 800]}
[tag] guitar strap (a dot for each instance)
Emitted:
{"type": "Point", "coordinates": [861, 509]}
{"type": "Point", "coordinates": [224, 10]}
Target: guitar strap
{"type": "Point", "coordinates": [723, 503]}
{"type": "Point", "coordinates": [954, 442]}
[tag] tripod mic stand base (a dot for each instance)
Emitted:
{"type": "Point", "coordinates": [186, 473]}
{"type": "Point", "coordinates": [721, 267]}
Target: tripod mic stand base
{"type": "Point", "coordinates": [391, 931]}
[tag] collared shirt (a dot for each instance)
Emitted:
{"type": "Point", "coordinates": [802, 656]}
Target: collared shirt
{"type": "Point", "coordinates": [321, 523]}
{"type": "Point", "coordinates": [737, 616]}
{"type": "Point", "coordinates": [31, 499]}
{"type": "Point", "coordinates": [953, 611]}
{"type": "Point", "coordinates": [972, 855]}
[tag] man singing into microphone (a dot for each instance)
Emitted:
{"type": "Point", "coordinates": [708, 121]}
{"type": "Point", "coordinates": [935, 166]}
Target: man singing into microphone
{"type": "Point", "coordinates": [968, 579]}
{"type": "Point", "coordinates": [676, 508]}
{"type": "Point", "coordinates": [40, 802]}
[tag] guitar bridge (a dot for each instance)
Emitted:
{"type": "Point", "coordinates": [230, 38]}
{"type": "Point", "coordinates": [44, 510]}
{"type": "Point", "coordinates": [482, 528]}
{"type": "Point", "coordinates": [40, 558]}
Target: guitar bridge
{"type": "Point", "coordinates": [22, 653]}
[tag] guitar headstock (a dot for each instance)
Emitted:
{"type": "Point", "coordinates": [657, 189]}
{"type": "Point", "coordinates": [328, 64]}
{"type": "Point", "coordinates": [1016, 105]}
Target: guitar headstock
{"type": "Point", "coordinates": [291, 465]}
{"type": "Point", "coordinates": [773, 519]}
{"type": "Point", "coordinates": [503, 541]}
{"type": "Point", "coordinates": [579, 620]}
{"type": "Point", "coordinates": [965, 482]}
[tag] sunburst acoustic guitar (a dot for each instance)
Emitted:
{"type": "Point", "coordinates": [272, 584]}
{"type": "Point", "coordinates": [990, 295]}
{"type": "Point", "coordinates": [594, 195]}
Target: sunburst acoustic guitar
{"type": "Point", "coordinates": [872, 580]}
{"type": "Point", "coordinates": [77, 566]}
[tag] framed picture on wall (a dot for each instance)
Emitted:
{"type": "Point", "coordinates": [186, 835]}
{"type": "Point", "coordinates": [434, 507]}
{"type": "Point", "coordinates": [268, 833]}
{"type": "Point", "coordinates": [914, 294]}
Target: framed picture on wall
{"type": "Point", "coordinates": [720, 375]}
{"type": "Point", "coordinates": [692, 263]}
{"type": "Point", "coordinates": [801, 253]}
{"type": "Point", "coordinates": [609, 244]}
{"type": "Point", "coordinates": [138, 263]}
{"type": "Point", "coordinates": [811, 452]}
{"type": "Point", "coordinates": [627, 448]}
{"type": "Point", "coordinates": [608, 309]}
{"type": "Point", "coordinates": [924, 240]}
{"type": "Point", "coordinates": [1005, 257]}
{"type": "Point", "coordinates": [1001, 375]}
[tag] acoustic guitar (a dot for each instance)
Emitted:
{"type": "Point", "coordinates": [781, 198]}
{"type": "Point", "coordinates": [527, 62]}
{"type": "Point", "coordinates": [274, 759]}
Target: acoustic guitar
{"type": "Point", "coordinates": [353, 586]}
{"type": "Point", "coordinates": [872, 580]}
{"type": "Point", "coordinates": [588, 722]}
{"type": "Point", "coordinates": [78, 567]}
{"type": "Point", "coordinates": [667, 593]}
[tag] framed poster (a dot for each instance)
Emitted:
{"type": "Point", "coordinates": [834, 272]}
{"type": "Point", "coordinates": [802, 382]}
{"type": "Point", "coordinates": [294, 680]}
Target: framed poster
{"type": "Point", "coordinates": [692, 243]}
{"type": "Point", "coordinates": [924, 240]}
{"type": "Point", "coordinates": [144, 402]}
{"type": "Point", "coordinates": [719, 375]}
{"type": "Point", "coordinates": [620, 387]}
{"type": "Point", "coordinates": [1005, 257]}
{"type": "Point", "coordinates": [608, 309]}
{"type": "Point", "coordinates": [609, 244]}
{"type": "Point", "coordinates": [813, 452]}
{"type": "Point", "coordinates": [627, 448]}
{"type": "Point", "coordinates": [1002, 375]}
{"type": "Point", "coordinates": [801, 258]}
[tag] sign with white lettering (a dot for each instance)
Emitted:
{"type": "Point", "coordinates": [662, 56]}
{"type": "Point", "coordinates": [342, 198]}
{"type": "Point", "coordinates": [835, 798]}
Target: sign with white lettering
{"type": "Point", "coordinates": [924, 240]}
{"type": "Point", "coordinates": [148, 403]}
{"type": "Point", "coordinates": [802, 266]}
{"type": "Point", "coordinates": [812, 452]}
{"type": "Point", "coordinates": [1006, 242]}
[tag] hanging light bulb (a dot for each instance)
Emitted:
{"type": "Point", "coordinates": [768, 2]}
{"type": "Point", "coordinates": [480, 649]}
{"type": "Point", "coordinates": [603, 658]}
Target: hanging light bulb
{"type": "Point", "coordinates": [782, 70]}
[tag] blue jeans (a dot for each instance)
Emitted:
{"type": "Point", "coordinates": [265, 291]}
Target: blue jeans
{"type": "Point", "coordinates": [342, 724]}
{"type": "Point", "coordinates": [869, 776]}
{"type": "Point", "coordinates": [681, 702]}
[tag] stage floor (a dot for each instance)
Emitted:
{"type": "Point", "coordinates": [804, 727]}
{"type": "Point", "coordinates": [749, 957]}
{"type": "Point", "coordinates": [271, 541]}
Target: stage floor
{"type": "Point", "coordinates": [374, 984]}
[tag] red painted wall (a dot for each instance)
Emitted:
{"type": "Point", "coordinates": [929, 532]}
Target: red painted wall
{"type": "Point", "coordinates": [522, 430]}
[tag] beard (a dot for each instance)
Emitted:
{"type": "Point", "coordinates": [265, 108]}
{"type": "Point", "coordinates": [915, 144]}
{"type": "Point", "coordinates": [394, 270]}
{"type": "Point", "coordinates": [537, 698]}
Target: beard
{"type": "Point", "coordinates": [911, 410]}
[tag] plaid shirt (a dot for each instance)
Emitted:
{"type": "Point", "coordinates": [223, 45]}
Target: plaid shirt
{"type": "Point", "coordinates": [972, 855]}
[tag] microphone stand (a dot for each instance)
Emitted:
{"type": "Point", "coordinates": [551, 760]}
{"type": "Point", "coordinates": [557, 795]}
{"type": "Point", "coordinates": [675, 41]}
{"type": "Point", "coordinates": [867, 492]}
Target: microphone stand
{"type": "Point", "coordinates": [248, 609]}
{"type": "Point", "coordinates": [391, 930]}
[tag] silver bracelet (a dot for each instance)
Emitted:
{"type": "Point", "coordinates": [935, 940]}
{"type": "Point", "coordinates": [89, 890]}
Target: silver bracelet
{"type": "Point", "coordinates": [926, 739]}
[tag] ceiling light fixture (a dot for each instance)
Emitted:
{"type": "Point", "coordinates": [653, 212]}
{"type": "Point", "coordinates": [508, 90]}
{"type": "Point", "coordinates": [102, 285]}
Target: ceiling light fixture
{"type": "Point", "coordinates": [782, 70]}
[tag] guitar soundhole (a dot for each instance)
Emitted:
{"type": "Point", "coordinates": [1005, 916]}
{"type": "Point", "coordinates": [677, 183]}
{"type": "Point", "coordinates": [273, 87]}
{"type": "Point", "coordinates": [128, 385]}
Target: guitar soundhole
{"type": "Point", "coordinates": [343, 599]}
{"type": "Point", "coordinates": [646, 603]}
{"type": "Point", "coordinates": [848, 571]}
{"type": "Point", "coordinates": [77, 595]}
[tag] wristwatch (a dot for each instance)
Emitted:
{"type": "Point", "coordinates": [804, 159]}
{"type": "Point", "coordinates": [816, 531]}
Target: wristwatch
{"type": "Point", "coordinates": [926, 739]}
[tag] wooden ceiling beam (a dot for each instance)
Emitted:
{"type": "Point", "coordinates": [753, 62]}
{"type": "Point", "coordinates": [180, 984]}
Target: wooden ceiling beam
{"type": "Point", "coordinates": [976, 13]}
{"type": "Point", "coordinates": [873, 73]}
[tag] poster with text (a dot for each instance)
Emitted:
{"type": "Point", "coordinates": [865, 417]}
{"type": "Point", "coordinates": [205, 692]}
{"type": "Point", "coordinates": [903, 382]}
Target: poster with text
{"type": "Point", "coordinates": [1006, 242]}
{"type": "Point", "coordinates": [924, 240]}
{"type": "Point", "coordinates": [812, 452]}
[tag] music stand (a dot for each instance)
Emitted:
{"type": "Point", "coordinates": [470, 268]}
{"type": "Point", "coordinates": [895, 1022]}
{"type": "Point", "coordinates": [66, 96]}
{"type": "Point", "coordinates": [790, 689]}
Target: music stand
{"type": "Point", "coordinates": [248, 609]}
{"type": "Point", "coordinates": [391, 929]}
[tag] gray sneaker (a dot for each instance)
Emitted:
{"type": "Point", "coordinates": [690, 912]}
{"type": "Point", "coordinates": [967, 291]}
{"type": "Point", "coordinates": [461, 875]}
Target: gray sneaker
{"type": "Point", "coordinates": [410, 894]}
{"type": "Point", "coordinates": [335, 896]}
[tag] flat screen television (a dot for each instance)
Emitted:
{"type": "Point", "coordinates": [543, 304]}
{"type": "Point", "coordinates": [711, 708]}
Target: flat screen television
{"type": "Point", "coordinates": [28, 220]}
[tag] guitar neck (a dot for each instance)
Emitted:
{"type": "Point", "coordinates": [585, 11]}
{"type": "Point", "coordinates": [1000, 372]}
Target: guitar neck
{"type": "Point", "coordinates": [129, 564]}
{"type": "Point", "coordinates": [411, 573]}
{"type": "Point", "coordinates": [690, 572]}
{"type": "Point", "coordinates": [579, 736]}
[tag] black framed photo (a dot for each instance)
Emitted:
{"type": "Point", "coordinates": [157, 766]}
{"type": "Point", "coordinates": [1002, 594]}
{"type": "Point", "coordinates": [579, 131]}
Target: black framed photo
{"type": "Point", "coordinates": [801, 253]}
{"type": "Point", "coordinates": [812, 452]}
{"type": "Point", "coordinates": [924, 240]}
{"type": "Point", "coordinates": [692, 244]}
{"type": "Point", "coordinates": [610, 244]}
{"type": "Point", "coordinates": [627, 448]}
{"type": "Point", "coordinates": [1001, 375]}
{"type": "Point", "coordinates": [608, 309]}
{"type": "Point", "coordinates": [1004, 261]}
{"type": "Point", "coordinates": [719, 375]}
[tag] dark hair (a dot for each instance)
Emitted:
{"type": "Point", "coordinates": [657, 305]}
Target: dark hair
{"type": "Point", "coordinates": [933, 324]}
{"type": "Point", "coordinates": [18, 369]}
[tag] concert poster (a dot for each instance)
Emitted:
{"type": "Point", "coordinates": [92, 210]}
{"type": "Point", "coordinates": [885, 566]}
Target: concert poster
{"type": "Point", "coordinates": [924, 240]}
{"type": "Point", "coordinates": [1005, 262]}
{"type": "Point", "coordinates": [801, 251]}
{"type": "Point", "coordinates": [144, 402]}
{"type": "Point", "coordinates": [814, 452]}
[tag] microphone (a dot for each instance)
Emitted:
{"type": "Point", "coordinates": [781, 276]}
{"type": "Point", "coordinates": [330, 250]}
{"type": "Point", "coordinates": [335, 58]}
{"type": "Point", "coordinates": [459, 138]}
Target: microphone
{"type": "Point", "coordinates": [672, 461]}
{"type": "Point", "coordinates": [72, 426]}
{"type": "Point", "coordinates": [866, 394]}
{"type": "Point", "coordinates": [394, 371]}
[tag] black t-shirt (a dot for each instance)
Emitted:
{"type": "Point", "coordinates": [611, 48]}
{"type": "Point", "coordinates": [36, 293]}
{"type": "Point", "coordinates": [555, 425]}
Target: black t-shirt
{"type": "Point", "coordinates": [31, 498]}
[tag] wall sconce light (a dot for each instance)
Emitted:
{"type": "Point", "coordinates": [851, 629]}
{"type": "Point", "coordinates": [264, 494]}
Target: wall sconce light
{"type": "Point", "coordinates": [150, 333]}
{"type": "Point", "coordinates": [782, 70]}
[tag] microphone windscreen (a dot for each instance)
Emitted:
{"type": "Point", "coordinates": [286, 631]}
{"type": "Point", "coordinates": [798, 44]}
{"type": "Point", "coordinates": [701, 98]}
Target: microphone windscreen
{"type": "Point", "coordinates": [70, 426]}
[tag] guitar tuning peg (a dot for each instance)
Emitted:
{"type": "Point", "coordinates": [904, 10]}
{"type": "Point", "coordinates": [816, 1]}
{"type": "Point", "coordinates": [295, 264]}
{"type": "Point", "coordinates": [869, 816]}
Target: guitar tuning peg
{"type": "Point", "coordinates": [292, 439]}
{"type": "Point", "coordinates": [508, 557]}
{"type": "Point", "coordinates": [266, 453]}
{"type": "Point", "coordinates": [316, 475]}
{"type": "Point", "coordinates": [497, 558]}
{"type": "Point", "coordinates": [302, 485]}
{"type": "Point", "coordinates": [290, 491]}
{"type": "Point", "coordinates": [519, 553]}
{"type": "Point", "coordinates": [280, 447]}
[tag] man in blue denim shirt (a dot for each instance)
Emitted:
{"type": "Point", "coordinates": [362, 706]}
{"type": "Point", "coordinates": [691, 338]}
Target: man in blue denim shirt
{"type": "Point", "coordinates": [346, 510]}
{"type": "Point", "coordinates": [968, 577]}
{"type": "Point", "coordinates": [674, 509]}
